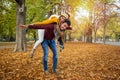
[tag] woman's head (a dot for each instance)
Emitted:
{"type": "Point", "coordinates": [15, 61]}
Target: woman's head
{"type": "Point", "coordinates": [62, 19]}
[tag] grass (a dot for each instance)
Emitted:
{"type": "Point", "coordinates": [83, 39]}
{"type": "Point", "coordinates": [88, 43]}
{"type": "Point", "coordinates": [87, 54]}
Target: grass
{"type": "Point", "coordinates": [11, 43]}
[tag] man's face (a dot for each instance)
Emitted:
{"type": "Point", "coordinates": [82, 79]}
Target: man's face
{"type": "Point", "coordinates": [63, 26]}
{"type": "Point", "coordinates": [61, 19]}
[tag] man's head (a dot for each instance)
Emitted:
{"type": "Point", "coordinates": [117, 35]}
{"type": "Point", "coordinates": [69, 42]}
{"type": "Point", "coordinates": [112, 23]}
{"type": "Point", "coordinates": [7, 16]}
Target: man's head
{"type": "Point", "coordinates": [66, 24]}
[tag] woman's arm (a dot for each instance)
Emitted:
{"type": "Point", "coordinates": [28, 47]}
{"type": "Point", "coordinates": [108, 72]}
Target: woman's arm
{"type": "Point", "coordinates": [47, 26]}
{"type": "Point", "coordinates": [61, 34]}
{"type": "Point", "coordinates": [48, 21]}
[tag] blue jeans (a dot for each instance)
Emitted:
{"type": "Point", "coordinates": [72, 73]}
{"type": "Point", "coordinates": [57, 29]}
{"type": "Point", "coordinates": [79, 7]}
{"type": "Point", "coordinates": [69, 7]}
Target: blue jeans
{"type": "Point", "coordinates": [52, 45]}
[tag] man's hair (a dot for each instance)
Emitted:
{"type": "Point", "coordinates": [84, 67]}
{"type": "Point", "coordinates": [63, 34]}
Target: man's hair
{"type": "Point", "coordinates": [68, 22]}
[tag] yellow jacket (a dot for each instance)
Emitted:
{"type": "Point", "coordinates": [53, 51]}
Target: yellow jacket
{"type": "Point", "coordinates": [52, 19]}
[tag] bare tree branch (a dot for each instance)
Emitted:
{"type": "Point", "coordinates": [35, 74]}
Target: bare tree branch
{"type": "Point", "coordinates": [114, 5]}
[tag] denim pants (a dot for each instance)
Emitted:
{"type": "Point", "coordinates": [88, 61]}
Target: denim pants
{"type": "Point", "coordinates": [52, 45]}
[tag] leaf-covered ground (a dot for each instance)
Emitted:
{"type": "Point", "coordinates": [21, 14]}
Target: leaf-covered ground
{"type": "Point", "coordinates": [78, 61]}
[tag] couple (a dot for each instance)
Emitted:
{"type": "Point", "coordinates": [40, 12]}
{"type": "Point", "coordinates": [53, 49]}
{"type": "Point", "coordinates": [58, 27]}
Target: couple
{"type": "Point", "coordinates": [53, 19]}
{"type": "Point", "coordinates": [51, 26]}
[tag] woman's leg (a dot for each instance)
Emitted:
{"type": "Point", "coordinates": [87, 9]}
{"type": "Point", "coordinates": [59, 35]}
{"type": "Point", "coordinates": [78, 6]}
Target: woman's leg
{"type": "Point", "coordinates": [40, 39]}
{"type": "Point", "coordinates": [61, 44]}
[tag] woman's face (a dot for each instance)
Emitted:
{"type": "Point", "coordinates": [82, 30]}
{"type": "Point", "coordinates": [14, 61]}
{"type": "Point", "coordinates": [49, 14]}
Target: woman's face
{"type": "Point", "coordinates": [62, 19]}
{"type": "Point", "coordinates": [63, 26]}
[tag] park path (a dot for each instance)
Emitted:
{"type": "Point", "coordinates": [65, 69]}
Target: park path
{"type": "Point", "coordinates": [11, 44]}
{"type": "Point", "coordinates": [111, 43]}
{"type": "Point", "coordinates": [2, 47]}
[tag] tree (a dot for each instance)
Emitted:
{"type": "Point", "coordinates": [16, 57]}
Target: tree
{"type": "Point", "coordinates": [39, 11]}
{"type": "Point", "coordinates": [105, 16]}
{"type": "Point", "coordinates": [97, 18]}
{"type": "Point", "coordinates": [90, 8]}
{"type": "Point", "coordinates": [7, 20]}
{"type": "Point", "coordinates": [20, 19]}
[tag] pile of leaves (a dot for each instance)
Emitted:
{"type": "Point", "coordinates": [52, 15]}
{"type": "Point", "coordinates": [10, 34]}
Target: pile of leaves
{"type": "Point", "coordinates": [78, 61]}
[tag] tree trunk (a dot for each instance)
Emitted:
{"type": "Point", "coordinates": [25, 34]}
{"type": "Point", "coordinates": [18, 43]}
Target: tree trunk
{"type": "Point", "coordinates": [84, 36]}
{"type": "Point", "coordinates": [104, 34]}
{"type": "Point", "coordinates": [95, 36]}
{"type": "Point", "coordinates": [89, 35]}
{"type": "Point", "coordinates": [20, 33]}
{"type": "Point", "coordinates": [104, 26]}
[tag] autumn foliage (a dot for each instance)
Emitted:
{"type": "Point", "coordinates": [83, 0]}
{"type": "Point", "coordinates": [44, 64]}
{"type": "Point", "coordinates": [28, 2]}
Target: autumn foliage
{"type": "Point", "coordinates": [78, 61]}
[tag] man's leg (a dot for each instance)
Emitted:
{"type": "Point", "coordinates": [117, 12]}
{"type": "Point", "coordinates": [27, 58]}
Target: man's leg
{"type": "Point", "coordinates": [45, 56]}
{"type": "Point", "coordinates": [53, 47]}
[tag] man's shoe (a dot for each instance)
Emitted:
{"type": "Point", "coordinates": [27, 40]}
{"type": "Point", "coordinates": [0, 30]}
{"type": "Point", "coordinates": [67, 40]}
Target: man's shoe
{"type": "Point", "coordinates": [56, 71]}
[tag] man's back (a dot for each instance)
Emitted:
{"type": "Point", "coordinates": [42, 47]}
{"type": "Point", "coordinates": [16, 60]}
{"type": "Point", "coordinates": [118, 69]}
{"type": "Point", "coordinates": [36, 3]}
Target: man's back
{"type": "Point", "coordinates": [49, 33]}
{"type": "Point", "coordinates": [49, 30]}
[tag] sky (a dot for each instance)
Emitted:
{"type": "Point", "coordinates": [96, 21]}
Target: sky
{"type": "Point", "coordinates": [84, 13]}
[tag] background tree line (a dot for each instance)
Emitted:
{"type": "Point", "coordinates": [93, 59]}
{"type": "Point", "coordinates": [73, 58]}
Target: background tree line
{"type": "Point", "coordinates": [102, 22]}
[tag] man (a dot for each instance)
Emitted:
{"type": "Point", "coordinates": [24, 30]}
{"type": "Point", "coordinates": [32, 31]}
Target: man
{"type": "Point", "coordinates": [49, 41]}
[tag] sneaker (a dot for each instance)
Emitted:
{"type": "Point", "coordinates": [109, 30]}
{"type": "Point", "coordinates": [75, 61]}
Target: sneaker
{"type": "Point", "coordinates": [46, 72]}
{"type": "Point", "coordinates": [31, 53]}
{"type": "Point", "coordinates": [61, 48]}
{"type": "Point", "coordinates": [56, 71]}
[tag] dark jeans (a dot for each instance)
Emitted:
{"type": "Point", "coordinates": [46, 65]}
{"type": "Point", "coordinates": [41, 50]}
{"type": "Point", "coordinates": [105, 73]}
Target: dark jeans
{"type": "Point", "coordinates": [52, 45]}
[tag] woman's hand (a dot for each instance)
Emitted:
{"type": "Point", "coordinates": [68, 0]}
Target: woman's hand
{"type": "Point", "coordinates": [22, 26]}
